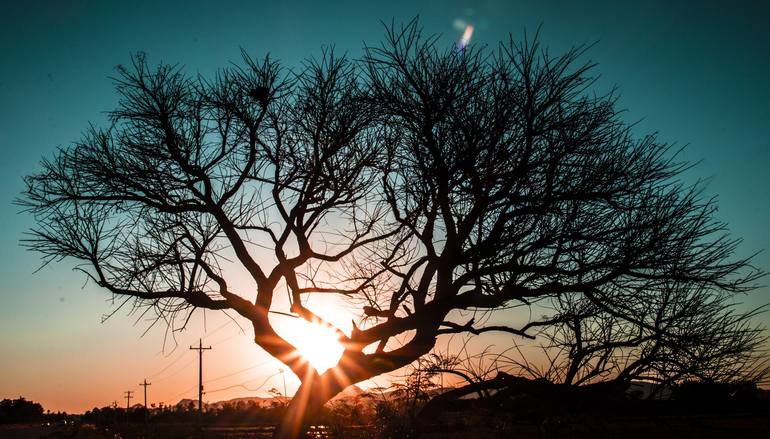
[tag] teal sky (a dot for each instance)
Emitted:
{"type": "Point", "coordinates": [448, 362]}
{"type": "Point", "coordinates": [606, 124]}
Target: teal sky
{"type": "Point", "coordinates": [696, 72]}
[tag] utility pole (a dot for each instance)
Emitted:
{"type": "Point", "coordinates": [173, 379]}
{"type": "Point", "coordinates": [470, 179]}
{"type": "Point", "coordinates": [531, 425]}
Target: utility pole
{"type": "Point", "coordinates": [115, 412]}
{"type": "Point", "coordinates": [285, 396]}
{"type": "Point", "coordinates": [146, 410]}
{"type": "Point", "coordinates": [200, 350]}
{"type": "Point", "coordinates": [145, 384]}
{"type": "Point", "coordinates": [128, 398]}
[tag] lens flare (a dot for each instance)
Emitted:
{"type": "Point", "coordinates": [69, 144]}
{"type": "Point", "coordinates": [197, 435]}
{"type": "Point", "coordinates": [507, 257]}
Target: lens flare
{"type": "Point", "coordinates": [466, 38]}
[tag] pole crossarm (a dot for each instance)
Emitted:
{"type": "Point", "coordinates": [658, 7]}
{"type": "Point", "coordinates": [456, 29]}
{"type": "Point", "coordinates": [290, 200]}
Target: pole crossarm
{"type": "Point", "coordinates": [128, 396]}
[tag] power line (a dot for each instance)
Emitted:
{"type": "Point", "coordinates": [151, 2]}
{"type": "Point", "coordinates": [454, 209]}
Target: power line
{"type": "Point", "coordinates": [182, 393]}
{"type": "Point", "coordinates": [192, 360]}
{"type": "Point", "coordinates": [179, 357]}
{"type": "Point", "coordinates": [228, 338]}
{"type": "Point", "coordinates": [221, 377]}
{"type": "Point", "coordinates": [187, 390]}
{"type": "Point", "coordinates": [283, 375]}
{"type": "Point", "coordinates": [181, 353]}
{"type": "Point", "coordinates": [176, 372]}
{"type": "Point", "coordinates": [219, 328]}
{"type": "Point", "coordinates": [200, 384]}
{"type": "Point", "coordinates": [242, 385]}
{"type": "Point", "coordinates": [184, 367]}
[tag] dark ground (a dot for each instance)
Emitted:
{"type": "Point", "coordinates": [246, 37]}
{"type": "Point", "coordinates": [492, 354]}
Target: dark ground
{"type": "Point", "coordinates": [481, 426]}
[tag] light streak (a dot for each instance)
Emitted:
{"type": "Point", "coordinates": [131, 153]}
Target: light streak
{"type": "Point", "coordinates": [466, 38]}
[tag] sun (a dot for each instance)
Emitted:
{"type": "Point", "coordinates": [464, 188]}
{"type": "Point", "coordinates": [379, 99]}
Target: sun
{"type": "Point", "coordinates": [318, 344]}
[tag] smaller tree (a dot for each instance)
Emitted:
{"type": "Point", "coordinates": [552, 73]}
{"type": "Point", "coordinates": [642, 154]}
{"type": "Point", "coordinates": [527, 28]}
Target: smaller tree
{"type": "Point", "coordinates": [680, 334]}
{"type": "Point", "coordinates": [19, 410]}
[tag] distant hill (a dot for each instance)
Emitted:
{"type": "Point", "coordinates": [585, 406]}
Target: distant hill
{"type": "Point", "coordinates": [185, 402]}
{"type": "Point", "coordinates": [350, 393]}
{"type": "Point", "coordinates": [259, 401]}
{"type": "Point", "coordinates": [355, 395]}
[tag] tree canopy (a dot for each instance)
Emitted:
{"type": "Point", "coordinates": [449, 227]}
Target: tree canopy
{"type": "Point", "coordinates": [417, 182]}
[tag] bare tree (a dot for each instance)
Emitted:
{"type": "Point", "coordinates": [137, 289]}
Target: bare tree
{"type": "Point", "coordinates": [675, 335]}
{"type": "Point", "coordinates": [416, 182]}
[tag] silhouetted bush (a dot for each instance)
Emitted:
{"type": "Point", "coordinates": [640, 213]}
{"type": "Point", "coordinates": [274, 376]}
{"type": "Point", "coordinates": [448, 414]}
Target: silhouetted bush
{"type": "Point", "coordinates": [19, 410]}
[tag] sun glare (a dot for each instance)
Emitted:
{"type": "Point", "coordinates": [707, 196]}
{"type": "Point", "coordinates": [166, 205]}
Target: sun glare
{"type": "Point", "coordinates": [318, 344]}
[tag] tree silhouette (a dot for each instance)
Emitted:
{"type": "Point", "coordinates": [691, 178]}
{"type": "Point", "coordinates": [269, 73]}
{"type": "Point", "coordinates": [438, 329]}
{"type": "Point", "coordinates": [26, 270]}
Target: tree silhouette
{"type": "Point", "coordinates": [685, 333]}
{"type": "Point", "coordinates": [691, 338]}
{"type": "Point", "coordinates": [416, 182]}
{"type": "Point", "coordinates": [19, 410]}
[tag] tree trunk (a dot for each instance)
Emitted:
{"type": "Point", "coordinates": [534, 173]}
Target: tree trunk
{"type": "Point", "coordinates": [305, 406]}
{"type": "Point", "coordinates": [353, 367]}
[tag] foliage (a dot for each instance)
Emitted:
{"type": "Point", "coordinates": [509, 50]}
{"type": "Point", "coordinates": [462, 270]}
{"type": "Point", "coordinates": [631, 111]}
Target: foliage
{"type": "Point", "coordinates": [19, 410]}
{"type": "Point", "coordinates": [240, 412]}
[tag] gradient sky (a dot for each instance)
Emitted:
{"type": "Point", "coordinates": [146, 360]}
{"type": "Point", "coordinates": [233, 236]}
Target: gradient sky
{"type": "Point", "coordinates": [696, 72]}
